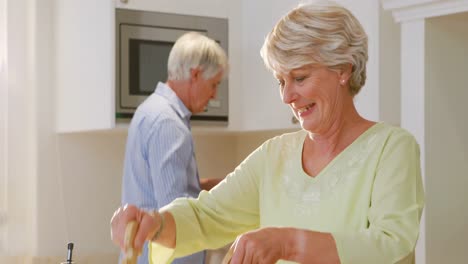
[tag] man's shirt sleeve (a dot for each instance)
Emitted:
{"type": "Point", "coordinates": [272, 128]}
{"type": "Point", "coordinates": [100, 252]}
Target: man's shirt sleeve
{"type": "Point", "coordinates": [170, 152]}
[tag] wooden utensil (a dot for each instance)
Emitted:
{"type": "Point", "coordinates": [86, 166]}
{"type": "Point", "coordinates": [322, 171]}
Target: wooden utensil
{"type": "Point", "coordinates": [228, 256]}
{"type": "Point", "coordinates": [130, 232]}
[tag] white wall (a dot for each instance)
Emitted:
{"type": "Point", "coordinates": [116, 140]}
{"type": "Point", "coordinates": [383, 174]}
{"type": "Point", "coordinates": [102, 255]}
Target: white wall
{"type": "Point", "coordinates": [389, 81]}
{"type": "Point", "coordinates": [368, 14]}
{"type": "Point", "coordinates": [88, 185]}
{"type": "Point", "coordinates": [215, 154]}
{"type": "Point", "coordinates": [446, 139]}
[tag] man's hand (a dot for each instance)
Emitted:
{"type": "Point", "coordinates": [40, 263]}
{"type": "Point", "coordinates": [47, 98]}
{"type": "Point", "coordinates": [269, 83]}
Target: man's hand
{"type": "Point", "coordinates": [208, 183]}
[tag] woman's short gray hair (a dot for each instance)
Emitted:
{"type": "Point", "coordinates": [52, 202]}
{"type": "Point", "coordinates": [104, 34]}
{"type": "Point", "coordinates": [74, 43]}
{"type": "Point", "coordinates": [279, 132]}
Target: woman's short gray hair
{"type": "Point", "coordinates": [193, 50]}
{"type": "Point", "coordinates": [321, 32]}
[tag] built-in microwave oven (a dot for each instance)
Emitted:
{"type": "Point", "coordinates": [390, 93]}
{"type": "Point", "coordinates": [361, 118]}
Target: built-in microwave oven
{"type": "Point", "coordinates": [143, 42]}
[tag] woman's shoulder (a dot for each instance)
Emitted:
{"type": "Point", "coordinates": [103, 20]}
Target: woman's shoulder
{"type": "Point", "coordinates": [285, 142]}
{"type": "Point", "coordinates": [392, 129]}
{"type": "Point", "coordinates": [287, 138]}
{"type": "Point", "coordinates": [394, 133]}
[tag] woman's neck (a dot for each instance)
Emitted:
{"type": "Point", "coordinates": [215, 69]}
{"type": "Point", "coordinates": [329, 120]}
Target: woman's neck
{"type": "Point", "coordinates": [340, 134]}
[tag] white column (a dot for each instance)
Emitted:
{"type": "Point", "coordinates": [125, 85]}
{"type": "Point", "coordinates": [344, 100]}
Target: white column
{"type": "Point", "coordinates": [19, 131]}
{"type": "Point", "coordinates": [412, 100]}
{"type": "Point", "coordinates": [3, 123]}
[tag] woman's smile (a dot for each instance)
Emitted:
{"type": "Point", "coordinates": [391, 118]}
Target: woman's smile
{"type": "Point", "coordinates": [306, 110]}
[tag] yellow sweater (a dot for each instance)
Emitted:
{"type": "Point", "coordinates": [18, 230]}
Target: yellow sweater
{"type": "Point", "coordinates": [370, 198]}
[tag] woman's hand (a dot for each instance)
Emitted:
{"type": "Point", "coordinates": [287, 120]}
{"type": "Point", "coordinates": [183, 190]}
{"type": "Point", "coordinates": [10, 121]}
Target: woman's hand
{"type": "Point", "coordinates": [270, 244]}
{"type": "Point", "coordinates": [148, 224]}
{"type": "Point", "coordinates": [265, 245]}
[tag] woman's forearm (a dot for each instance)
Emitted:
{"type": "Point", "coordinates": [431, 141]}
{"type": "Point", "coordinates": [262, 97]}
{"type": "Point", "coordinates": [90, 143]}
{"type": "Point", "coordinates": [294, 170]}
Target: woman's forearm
{"type": "Point", "coordinates": [167, 236]}
{"type": "Point", "coordinates": [312, 247]}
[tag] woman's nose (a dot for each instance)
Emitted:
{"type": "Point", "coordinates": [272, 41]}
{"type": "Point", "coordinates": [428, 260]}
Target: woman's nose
{"type": "Point", "coordinates": [288, 94]}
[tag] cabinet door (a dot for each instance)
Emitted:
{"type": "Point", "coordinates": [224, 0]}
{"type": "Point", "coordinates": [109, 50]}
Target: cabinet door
{"type": "Point", "coordinates": [214, 8]}
{"type": "Point", "coordinates": [263, 108]}
{"type": "Point", "coordinates": [84, 35]}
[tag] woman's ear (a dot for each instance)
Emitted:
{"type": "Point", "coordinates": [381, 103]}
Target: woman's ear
{"type": "Point", "coordinates": [345, 73]}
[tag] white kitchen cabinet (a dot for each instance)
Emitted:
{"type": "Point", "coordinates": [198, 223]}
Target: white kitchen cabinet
{"type": "Point", "coordinates": [262, 106]}
{"type": "Point", "coordinates": [84, 65]}
{"type": "Point", "coordinates": [212, 8]}
{"type": "Point", "coordinates": [85, 57]}
{"type": "Point", "coordinates": [85, 60]}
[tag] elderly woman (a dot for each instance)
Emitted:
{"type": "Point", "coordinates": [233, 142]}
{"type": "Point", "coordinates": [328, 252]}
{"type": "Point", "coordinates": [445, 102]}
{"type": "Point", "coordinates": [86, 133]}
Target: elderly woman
{"type": "Point", "coordinates": [341, 190]}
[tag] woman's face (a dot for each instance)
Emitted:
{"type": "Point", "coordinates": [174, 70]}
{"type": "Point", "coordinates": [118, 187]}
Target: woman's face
{"type": "Point", "coordinates": [316, 94]}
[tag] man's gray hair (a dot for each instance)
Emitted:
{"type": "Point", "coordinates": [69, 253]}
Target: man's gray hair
{"type": "Point", "coordinates": [193, 50]}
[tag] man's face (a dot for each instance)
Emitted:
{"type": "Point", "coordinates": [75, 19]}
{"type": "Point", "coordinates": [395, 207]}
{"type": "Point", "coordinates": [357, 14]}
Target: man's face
{"type": "Point", "coordinates": [202, 90]}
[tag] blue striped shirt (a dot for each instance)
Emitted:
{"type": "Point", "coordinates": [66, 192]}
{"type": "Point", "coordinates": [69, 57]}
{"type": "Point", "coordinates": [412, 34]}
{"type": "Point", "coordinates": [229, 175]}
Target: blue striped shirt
{"type": "Point", "coordinates": [159, 158]}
